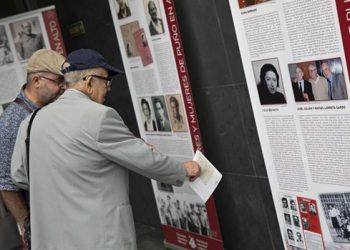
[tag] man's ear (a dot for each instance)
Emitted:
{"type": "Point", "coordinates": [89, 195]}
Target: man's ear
{"type": "Point", "coordinates": [88, 84]}
{"type": "Point", "coordinates": [36, 82]}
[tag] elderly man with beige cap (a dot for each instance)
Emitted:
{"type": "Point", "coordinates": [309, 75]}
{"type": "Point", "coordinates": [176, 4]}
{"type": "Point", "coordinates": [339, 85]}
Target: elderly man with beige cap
{"type": "Point", "coordinates": [44, 84]}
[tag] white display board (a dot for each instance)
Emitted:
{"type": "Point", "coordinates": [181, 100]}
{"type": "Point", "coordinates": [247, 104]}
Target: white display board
{"type": "Point", "coordinates": [154, 62]}
{"type": "Point", "coordinates": [295, 58]}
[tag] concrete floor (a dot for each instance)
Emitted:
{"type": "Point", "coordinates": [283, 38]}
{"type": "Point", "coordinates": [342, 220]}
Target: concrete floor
{"type": "Point", "coordinates": [149, 238]}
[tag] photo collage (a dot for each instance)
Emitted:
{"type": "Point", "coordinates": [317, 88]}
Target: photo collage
{"type": "Point", "coordinates": [163, 113]}
{"type": "Point", "coordinates": [311, 81]}
{"type": "Point", "coordinates": [293, 221]}
{"type": "Point", "coordinates": [136, 43]}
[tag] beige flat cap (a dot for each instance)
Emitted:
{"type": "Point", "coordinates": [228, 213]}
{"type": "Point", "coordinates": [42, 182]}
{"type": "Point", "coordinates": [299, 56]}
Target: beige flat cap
{"type": "Point", "coordinates": [45, 60]}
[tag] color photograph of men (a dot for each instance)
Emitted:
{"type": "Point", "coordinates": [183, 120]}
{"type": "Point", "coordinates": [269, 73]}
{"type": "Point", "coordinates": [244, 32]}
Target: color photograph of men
{"type": "Point", "coordinates": [302, 88]}
{"type": "Point", "coordinates": [332, 71]}
{"type": "Point", "coordinates": [326, 77]}
{"type": "Point", "coordinates": [149, 123]}
{"type": "Point", "coordinates": [5, 51]}
{"type": "Point", "coordinates": [163, 123]}
{"type": "Point", "coordinates": [28, 37]}
{"type": "Point", "coordinates": [177, 117]}
{"type": "Point", "coordinates": [154, 19]}
{"type": "Point", "coordinates": [123, 9]}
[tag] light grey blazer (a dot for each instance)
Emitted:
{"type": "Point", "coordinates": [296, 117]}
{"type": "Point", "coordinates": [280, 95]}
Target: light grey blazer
{"type": "Point", "coordinates": [80, 154]}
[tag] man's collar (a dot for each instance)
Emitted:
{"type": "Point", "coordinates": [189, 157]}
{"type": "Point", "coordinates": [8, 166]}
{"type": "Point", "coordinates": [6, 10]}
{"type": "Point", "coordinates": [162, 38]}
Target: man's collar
{"type": "Point", "coordinates": [23, 96]}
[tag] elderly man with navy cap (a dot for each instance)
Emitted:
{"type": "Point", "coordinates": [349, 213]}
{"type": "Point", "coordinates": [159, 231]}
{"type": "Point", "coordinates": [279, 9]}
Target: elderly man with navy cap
{"type": "Point", "coordinates": [80, 155]}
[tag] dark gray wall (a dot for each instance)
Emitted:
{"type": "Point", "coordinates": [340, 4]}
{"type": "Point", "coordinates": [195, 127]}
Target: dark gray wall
{"type": "Point", "coordinates": [243, 199]}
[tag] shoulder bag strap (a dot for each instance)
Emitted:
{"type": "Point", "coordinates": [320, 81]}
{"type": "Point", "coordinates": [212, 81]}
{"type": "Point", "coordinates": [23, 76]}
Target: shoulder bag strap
{"type": "Point", "coordinates": [27, 141]}
{"type": "Point", "coordinates": [23, 104]}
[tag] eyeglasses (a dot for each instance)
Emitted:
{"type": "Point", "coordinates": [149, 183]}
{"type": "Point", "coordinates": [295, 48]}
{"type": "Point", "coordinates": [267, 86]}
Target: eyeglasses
{"type": "Point", "coordinates": [108, 80]}
{"type": "Point", "coordinates": [58, 80]}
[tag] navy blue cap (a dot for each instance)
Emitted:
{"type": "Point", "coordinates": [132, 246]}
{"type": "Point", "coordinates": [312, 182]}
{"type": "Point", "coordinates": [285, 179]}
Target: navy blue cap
{"type": "Point", "coordinates": [87, 59]}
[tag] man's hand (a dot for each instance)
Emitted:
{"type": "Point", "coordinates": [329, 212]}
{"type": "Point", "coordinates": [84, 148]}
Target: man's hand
{"type": "Point", "coordinates": [306, 97]}
{"type": "Point", "coordinates": [193, 170]}
{"type": "Point", "coordinates": [17, 206]}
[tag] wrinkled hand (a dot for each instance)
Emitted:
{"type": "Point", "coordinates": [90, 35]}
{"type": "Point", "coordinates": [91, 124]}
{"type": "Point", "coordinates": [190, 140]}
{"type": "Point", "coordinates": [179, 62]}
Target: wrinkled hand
{"type": "Point", "coordinates": [193, 170]}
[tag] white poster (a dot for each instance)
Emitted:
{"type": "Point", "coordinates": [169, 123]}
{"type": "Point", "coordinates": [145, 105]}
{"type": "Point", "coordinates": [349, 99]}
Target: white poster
{"type": "Point", "coordinates": [155, 66]}
{"type": "Point", "coordinates": [294, 54]}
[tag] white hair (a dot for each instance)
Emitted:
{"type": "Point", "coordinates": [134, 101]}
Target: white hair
{"type": "Point", "coordinates": [73, 77]}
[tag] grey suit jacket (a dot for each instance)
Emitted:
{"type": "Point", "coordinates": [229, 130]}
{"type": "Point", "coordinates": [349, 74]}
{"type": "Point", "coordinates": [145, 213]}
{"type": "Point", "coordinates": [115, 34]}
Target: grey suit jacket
{"type": "Point", "coordinates": [80, 155]}
{"type": "Point", "coordinates": [338, 87]}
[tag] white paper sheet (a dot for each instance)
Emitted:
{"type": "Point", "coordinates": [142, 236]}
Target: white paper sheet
{"type": "Point", "coordinates": [207, 182]}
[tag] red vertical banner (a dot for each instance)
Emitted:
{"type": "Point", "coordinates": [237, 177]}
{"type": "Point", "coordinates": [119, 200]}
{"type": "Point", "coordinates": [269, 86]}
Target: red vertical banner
{"type": "Point", "coordinates": [175, 236]}
{"type": "Point", "coordinates": [343, 7]}
{"type": "Point", "coordinates": [54, 31]}
{"type": "Point", "coordinates": [183, 74]}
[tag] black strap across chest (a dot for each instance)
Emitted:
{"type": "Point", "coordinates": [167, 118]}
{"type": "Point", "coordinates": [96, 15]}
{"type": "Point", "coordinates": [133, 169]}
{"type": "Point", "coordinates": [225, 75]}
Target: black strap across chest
{"type": "Point", "coordinates": [23, 104]}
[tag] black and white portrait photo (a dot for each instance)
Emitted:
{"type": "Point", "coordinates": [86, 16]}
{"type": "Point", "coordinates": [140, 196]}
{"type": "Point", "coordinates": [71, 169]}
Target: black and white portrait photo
{"type": "Point", "coordinates": [28, 38]}
{"type": "Point", "coordinates": [149, 122]}
{"type": "Point", "coordinates": [6, 55]}
{"type": "Point", "coordinates": [162, 117]}
{"type": "Point", "coordinates": [177, 113]}
{"type": "Point", "coordinates": [155, 21]}
{"type": "Point", "coordinates": [284, 202]}
{"type": "Point", "coordinates": [287, 219]}
{"type": "Point", "coordinates": [296, 221]}
{"type": "Point", "coordinates": [290, 234]}
{"type": "Point", "coordinates": [123, 9]}
{"type": "Point", "coordinates": [269, 81]}
{"type": "Point", "coordinates": [293, 205]}
{"type": "Point", "coordinates": [312, 208]}
{"type": "Point", "coordinates": [302, 206]}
